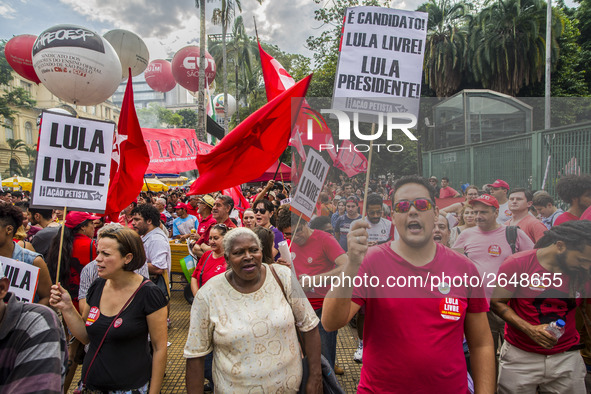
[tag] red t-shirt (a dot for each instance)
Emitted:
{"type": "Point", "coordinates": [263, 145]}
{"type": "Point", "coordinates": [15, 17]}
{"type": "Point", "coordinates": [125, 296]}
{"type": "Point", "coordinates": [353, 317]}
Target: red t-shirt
{"type": "Point", "coordinates": [531, 226]}
{"type": "Point", "coordinates": [414, 345]}
{"type": "Point", "coordinates": [212, 268]}
{"type": "Point", "coordinates": [83, 252]}
{"type": "Point", "coordinates": [537, 304]}
{"type": "Point", "coordinates": [586, 215]}
{"type": "Point", "coordinates": [204, 224]}
{"type": "Point", "coordinates": [565, 217]}
{"type": "Point", "coordinates": [192, 211]}
{"type": "Point", "coordinates": [204, 239]}
{"type": "Point", "coordinates": [315, 257]}
{"type": "Point", "coordinates": [447, 192]}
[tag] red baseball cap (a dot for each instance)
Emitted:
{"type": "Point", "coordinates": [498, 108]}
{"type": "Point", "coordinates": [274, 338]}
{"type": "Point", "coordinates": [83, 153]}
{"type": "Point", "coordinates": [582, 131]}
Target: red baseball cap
{"type": "Point", "coordinates": [499, 183]}
{"type": "Point", "coordinates": [74, 218]}
{"type": "Point", "coordinates": [181, 205]}
{"type": "Point", "coordinates": [486, 199]}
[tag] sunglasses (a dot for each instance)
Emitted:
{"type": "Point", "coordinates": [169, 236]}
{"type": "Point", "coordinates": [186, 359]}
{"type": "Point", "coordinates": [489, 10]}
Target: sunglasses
{"type": "Point", "coordinates": [421, 204]}
{"type": "Point", "coordinates": [262, 211]}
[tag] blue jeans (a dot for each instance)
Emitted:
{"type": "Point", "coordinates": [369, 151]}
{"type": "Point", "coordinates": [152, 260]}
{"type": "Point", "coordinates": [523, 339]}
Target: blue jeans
{"type": "Point", "coordinates": [328, 341]}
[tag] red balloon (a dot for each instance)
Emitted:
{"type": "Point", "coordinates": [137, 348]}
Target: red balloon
{"type": "Point", "coordinates": [185, 68]}
{"type": "Point", "coordinates": [159, 77]}
{"type": "Point", "coordinates": [18, 54]}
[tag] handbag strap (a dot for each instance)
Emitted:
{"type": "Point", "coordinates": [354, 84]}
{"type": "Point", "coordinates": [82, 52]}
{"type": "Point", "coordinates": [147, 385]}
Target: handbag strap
{"type": "Point", "coordinates": [203, 268]}
{"type": "Point", "coordinates": [299, 334]}
{"type": "Point", "coordinates": [111, 325]}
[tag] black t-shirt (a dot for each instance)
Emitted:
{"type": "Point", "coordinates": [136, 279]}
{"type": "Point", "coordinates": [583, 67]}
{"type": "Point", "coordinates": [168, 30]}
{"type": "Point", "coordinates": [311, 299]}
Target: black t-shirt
{"type": "Point", "coordinates": [124, 361]}
{"type": "Point", "coordinates": [42, 240]}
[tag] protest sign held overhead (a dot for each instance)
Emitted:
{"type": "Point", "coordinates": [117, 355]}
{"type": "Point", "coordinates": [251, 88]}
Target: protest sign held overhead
{"type": "Point", "coordinates": [23, 278]}
{"type": "Point", "coordinates": [381, 61]}
{"type": "Point", "coordinates": [310, 185]}
{"type": "Point", "coordinates": [73, 163]}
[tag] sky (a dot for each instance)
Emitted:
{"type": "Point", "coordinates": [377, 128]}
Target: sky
{"type": "Point", "coordinates": [168, 25]}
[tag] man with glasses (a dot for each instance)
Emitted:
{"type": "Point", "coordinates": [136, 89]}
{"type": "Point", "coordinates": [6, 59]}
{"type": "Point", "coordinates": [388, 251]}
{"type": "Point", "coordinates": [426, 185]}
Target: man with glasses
{"type": "Point", "coordinates": [343, 223]}
{"type": "Point", "coordinates": [413, 334]}
{"type": "Point", "coordinates": [222, 207]}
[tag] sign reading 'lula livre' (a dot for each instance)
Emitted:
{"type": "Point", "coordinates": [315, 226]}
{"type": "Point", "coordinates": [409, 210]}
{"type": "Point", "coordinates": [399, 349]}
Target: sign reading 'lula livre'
{"type": "Point", "coordinates": [73, 163]}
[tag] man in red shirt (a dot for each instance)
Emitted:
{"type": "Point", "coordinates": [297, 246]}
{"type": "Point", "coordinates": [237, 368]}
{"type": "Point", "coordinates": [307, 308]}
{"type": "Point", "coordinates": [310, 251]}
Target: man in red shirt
{"type": "Point", "coordinates": [411, 329]}
{"type": "Point", "coordinates": [221, 213]}
{"type": "Point", "coordinates": [447, 191]}
{"type": "Point", "coordinates": [576, 191]}
{"type": "Point", "coordinates": [316, 254]}
{"type": "Point", "coordinates": [193, 207]}
{"type": "Point", "coordinates": [205, 204]}
{"type": "Point", "coordinates": [551, 282]}
{"type": "Point", "coordinates": [520, 200]}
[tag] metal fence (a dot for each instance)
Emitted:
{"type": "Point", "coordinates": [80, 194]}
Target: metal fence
{"type": "Point", "coordinates": [521, 161]}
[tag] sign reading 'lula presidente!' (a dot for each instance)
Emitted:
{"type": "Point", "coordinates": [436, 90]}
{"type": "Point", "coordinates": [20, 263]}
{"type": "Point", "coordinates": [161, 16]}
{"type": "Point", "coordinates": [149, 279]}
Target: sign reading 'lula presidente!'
{"type": "Point", "coordinates": [73, 163]}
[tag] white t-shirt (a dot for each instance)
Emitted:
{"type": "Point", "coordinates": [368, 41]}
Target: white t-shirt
{"type": "Point", "coordinates": [504, 213]}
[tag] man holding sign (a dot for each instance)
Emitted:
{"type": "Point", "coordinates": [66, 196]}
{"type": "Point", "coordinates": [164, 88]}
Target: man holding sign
{"type": "Point", "coordinates": [11, 218]}
{"type": "Point", "coordinates": [32, 345]}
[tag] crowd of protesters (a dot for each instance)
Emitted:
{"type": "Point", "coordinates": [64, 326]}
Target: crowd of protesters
{"type": "Point", "coordinates": [113, 290]}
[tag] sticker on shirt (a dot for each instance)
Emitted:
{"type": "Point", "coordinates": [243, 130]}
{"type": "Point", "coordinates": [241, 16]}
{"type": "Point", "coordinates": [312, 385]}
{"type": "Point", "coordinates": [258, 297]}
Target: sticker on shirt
{"type": "Point", "coordinates": [450, 308]}
{"type": "Point", "coordinates": [494, 250]}
{"type": "Point", "coordinates": [310, 260]}
{"type": "Point", "coordinates": [444, 288]}
{"type": "Point", "coordinates": [118, 322]}
{"type": "Point", "coordinates": [93, 315]}
{"type": "Point", "coordinates": [508, 213]}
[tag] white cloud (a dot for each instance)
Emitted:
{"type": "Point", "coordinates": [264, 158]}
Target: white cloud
{"type": "Point", "coordinates": [6, 11]}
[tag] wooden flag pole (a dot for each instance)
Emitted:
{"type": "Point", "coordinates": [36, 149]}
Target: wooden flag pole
{"type": "Point", "coordinates": [59, 256]}
{"type": "Point", "coordinates": [373, 129]}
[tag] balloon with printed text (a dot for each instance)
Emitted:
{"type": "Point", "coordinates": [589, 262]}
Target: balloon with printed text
{"type": "Point", "coordinates": [218, 104]}
{"type": "Point", "coordinates": [131, 50]}
{"type": "Point", "coordinates": [76, 64]}
{"type": "Point", "coordinates": [18, 54]}
{"type": "Point", "coordinates": [159, 77]}
{"type": "Point", "coordinates": [185, 68]}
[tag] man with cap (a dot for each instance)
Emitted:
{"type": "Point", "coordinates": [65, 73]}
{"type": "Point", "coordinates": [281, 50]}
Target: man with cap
{"type": "Point", "coordinates": [32, 345]}
{"type": "Point", "coordinates": [184, 223]}
{"type": "Point", "coordinates": [500, 190]}
{"type": "Point", "coordinates": [343, 223]}
{"type": "Point", "coordinates": [487, 246]}
{"type": "Point", "coordinates": [205, 205]}
{"type": "Point", "coordinates": [433, 181]}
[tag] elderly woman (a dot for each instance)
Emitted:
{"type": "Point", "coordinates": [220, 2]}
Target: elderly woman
{"type": "Point", "coordinates": [248, 324]}
{"type": "Point", "coordinates": [121, 309]}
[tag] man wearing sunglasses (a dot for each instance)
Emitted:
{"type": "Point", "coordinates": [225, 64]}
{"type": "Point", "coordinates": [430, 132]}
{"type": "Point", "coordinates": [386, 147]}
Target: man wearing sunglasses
{"type": "Point", "coordinates": [411, 329]}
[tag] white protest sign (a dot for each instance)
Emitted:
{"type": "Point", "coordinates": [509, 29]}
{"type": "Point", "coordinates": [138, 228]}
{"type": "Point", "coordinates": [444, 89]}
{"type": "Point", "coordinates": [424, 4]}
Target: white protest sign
{"type": "Point", "coordinates": [73, 163]}
{"type": "Point", "coordinates": [23, 278]}
{"type": "Point", "coordinates": [381, 61]}
{"type": "Point", "coordinates": [310, 185]}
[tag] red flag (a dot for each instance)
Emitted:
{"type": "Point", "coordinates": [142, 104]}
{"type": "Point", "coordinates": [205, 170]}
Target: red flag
{"type": "Point", "coordinates": [350, 161]}
{"type": "Point", "coordinates": [240, 202]}
{"type": "Point", "coordinates": [277, 80]}
{"type": "Point", "coordinates": [129, 160]}
{"type": "Point", "coordinates": [253, 146]}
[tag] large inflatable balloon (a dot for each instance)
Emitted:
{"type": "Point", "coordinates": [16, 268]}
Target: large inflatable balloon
{"type": "Point", "coordinates": [18, 54]}
{"type": "Point", "coordinates": [131, 49]}
{"type": "Point", "coordinates": [218, 104]}
{"type": "Point", "coordinates": [159, 76]}
{"type": "Point", "coordinates": [185, 68]}
{"type": "Point", "coordinates": [76, 64]}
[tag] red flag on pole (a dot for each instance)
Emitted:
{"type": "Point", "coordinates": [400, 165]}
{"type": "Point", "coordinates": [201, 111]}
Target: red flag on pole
{"type": "Point", "coordinates": [253, 146]}
{"type": "Point", "coordinates": [349, 160]}
{"type": "Point", "coordinates": [129, 160]}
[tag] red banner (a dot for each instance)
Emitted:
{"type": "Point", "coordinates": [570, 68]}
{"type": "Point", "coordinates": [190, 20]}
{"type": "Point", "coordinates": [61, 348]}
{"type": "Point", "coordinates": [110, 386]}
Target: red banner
{"type": "Point", "coordinates": [173, 150]}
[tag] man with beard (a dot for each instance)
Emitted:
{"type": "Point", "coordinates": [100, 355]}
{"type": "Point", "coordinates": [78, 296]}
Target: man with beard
{"type": "Point", "coordinates": [411, 342]}
{"type": "Point", "coordinates": [551, 281]}
{"type": "Point", "coordinates": [380, 230]}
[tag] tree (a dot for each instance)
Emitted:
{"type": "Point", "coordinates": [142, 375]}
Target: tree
{"type": "Point", "coordinates": [14, 146]}
{"type": "Point", "coordinates": [223, 16]}
{"type": "Point", "coordinates": [189, 118]}
{"type": "Point", "coordinates": [507, 44]}
{"type": "Point", "coordinates": [583, 15]}
{"type": "Point", "coordinates": [446, 45]}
